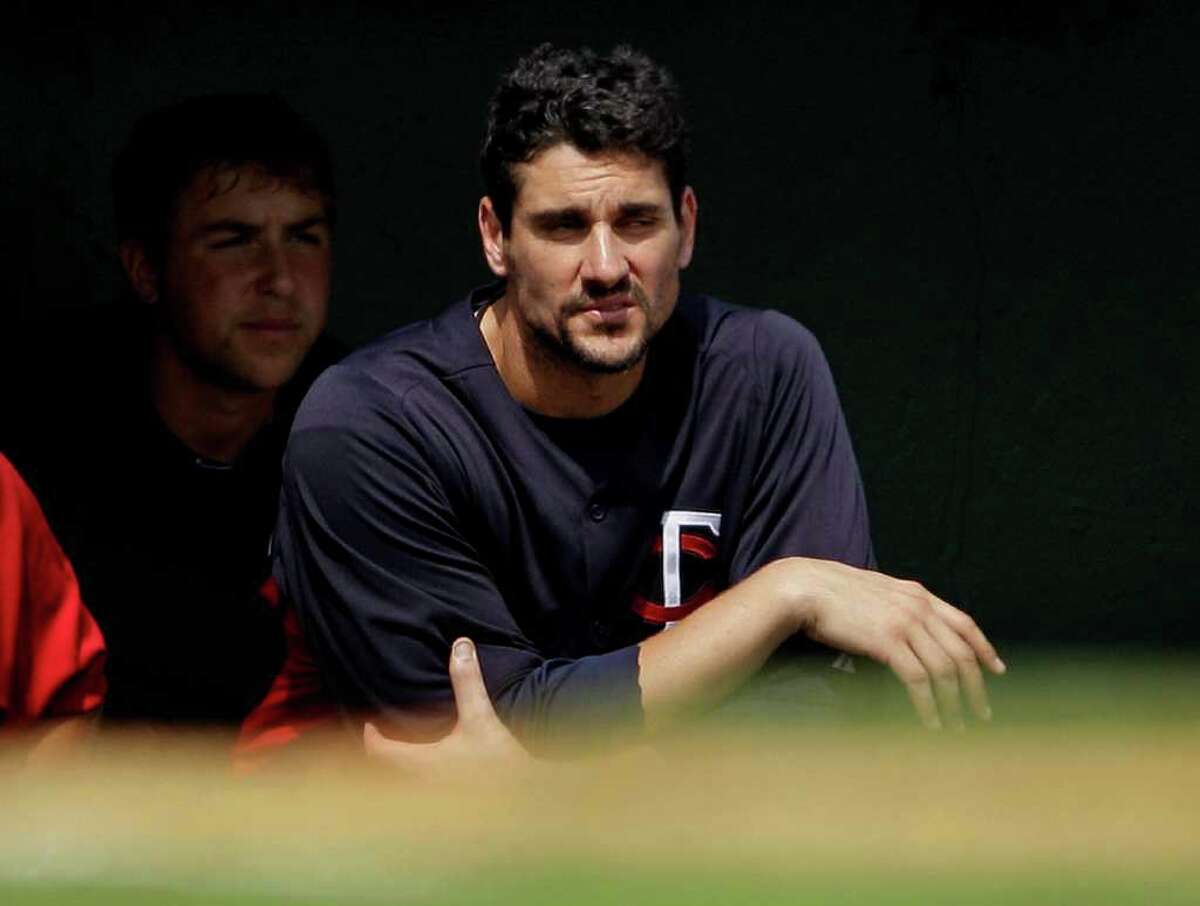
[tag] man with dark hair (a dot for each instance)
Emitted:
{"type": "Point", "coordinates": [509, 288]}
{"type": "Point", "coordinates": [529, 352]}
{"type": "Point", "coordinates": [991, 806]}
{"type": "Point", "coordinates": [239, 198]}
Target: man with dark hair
{"type": "Point", "coordinates": [572, 459]}
{"type": "Point", "coordinates": [155, 435]}
{"type": "Point", "coordinates": [154, 440]}
{"type": "Point", "coordinates": [227, 133]}
{"type": "Point", "coordinates": [595, 103]}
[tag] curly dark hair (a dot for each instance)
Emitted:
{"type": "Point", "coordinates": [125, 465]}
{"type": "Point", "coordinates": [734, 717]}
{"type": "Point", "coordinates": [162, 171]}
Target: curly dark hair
{"type": "Point", "coordinates": [168, 147]}
{"type": "Point", "coordinates": [624, 101]}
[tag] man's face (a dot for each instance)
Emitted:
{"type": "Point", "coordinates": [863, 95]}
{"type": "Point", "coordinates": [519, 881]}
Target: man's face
{"type": "Point", "coordinates": [245, 276]}
{"type": "Point", "coordinates": [593, 254]}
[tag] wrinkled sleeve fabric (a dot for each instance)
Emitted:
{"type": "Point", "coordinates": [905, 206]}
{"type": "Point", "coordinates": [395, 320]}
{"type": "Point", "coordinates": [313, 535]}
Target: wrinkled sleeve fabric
{"type": "Point", "coordinates": [806, 499]}
{"type": "Point", "coordinates": [51, 650]}
{"type": "Point", "coordinates": [807, 496]}
{"type": "Point", "coordinates": [372, 554]}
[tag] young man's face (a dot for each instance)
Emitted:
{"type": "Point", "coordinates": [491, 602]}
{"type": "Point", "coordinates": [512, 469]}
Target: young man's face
{"type": "Point", "coordinates": [593, 254]}
{"type": "Point", "coordinates": [244, 282]}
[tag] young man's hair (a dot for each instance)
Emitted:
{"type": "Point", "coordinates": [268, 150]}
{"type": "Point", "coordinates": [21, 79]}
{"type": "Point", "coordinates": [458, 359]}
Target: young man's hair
{"type": "Point", "coordinates": [620, 102]}
{"type": "Point", "coordinates": [222, 132]}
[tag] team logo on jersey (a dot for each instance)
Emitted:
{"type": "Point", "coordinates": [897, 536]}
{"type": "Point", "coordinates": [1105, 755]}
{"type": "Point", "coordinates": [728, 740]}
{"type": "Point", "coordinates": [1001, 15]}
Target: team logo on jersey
{"type": "Point", "coordinates": [683, 574]}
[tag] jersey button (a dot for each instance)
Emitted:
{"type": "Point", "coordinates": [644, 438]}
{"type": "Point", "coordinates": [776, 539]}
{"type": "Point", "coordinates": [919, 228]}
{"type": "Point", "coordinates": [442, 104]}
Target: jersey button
{"type": "Point", "coordinates": [597, 511]}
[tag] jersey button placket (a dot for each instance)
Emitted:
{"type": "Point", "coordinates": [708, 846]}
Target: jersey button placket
{"type": "Point", "coordinates": [597, 512]}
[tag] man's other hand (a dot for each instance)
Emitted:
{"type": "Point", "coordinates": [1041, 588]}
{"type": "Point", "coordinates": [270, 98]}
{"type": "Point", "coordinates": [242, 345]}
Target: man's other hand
{"type": "Point", "coordinates": [933, 647]}
{"type": "Point", "coordinates": [478, 740]}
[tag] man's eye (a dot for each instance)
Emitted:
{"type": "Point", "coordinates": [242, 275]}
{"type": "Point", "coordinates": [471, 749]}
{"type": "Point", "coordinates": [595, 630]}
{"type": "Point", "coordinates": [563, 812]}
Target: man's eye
{"type": "Point", "coordinates": [308, 238]}
{"type": "Point", "coordinates": [564, 229]}
{"type": "Point", "coordinates": [559, 228]}
{"type": "Point", "coordinates": [226, 242]}
{"type": "Point", "coordinates": [640, 224]}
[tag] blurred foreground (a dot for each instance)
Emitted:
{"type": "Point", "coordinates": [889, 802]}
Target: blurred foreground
{"type": "Point", "coordinates": [1086, 789]}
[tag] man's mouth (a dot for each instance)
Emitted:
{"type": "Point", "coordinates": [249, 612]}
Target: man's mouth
{"type": "Point", "coordinates": [272, 325]}
{"type": "Point", "coordinates": [610, 312]}
{"type": "Point", "coordinates": [610, 303]}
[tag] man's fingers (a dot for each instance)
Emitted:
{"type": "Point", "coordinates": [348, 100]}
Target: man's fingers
{"type": "Point", "coordinates": [470, 694]}
{"type": "Point", "coordinates": [372, 738]}
{"type": "Point", "coordinates": [966, 645]}
{"type": "Point", "coordinates": [478, 738]}
{"type": "Point", "coordinates": [935, 649]}
{"type": "Point", "coordinates": [970, 677]}
{"type": "Point", "coordinates": [906, 665]}
{"type": "Point", "coordinates": [377, 745]}
{"type": "Point", "coordinates": [972, 634]}
{"type": "Point", "coordinates": [943, 671]}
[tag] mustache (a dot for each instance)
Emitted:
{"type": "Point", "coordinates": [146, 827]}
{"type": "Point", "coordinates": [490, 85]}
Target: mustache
{"type": "Point", "coordinates": [592, 294]}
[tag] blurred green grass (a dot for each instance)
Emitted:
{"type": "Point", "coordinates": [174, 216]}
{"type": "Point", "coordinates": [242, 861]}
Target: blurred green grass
{"type": "Point", "coordinates": [1085, 789]}
{"type": "Point", "coordinates": [588, 885]}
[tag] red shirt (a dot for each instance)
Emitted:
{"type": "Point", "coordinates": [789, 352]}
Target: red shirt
{"type": "Point", "coordinates": [296, 705]}
{"type": "Point", "coordinates": [51, 650]}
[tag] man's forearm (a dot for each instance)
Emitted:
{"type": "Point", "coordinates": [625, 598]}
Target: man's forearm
{"type": "Point", "coordinates": [935, 649]}
{"type": "Point", "coordinates": [707, 655]}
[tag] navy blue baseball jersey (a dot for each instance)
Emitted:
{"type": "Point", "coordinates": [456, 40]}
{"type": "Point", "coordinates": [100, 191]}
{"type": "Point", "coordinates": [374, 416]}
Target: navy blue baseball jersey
{"type": "Point", "coordinates": [421, 502]}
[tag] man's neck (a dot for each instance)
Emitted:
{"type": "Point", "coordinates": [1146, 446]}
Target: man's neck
{"type": "Point", "coordinates": [543, 382]}
{"type": "Point", "coordinates": [213, 421]}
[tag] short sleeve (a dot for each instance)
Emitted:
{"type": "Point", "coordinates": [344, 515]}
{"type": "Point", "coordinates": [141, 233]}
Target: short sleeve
{"type": "Point", "coordinates": [51, 650]}
{"type": "Point", "coordinates": [807, 497]}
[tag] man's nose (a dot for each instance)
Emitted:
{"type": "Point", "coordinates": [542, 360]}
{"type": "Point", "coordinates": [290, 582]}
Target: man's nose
{"type": "Point", "coordinates": [604, 261]}
{"type": "Point", "coordinates": [276, 279]}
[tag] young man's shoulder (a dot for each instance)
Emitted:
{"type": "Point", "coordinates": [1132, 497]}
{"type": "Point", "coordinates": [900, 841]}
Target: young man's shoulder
{"type": "Point", "coordinates": [412, 367]}
{"type": "Point", "coordinates": [435, 348]}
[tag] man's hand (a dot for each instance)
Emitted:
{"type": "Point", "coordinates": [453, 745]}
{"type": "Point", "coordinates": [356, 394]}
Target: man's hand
{"type": "Point", "coordinates": [478, 740]}
{"type": "Point", "coordinates": [934, 648]}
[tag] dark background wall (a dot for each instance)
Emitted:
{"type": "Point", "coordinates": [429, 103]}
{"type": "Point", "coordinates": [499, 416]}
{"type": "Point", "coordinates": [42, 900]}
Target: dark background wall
{"type": "Point", "coordinates": [988, 215]}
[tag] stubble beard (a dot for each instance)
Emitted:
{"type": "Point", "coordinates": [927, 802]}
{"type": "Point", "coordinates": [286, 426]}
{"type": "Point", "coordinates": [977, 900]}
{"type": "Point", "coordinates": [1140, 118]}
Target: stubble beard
{"type": "Point", "coordinates": [227, 368]}
{"type": "Point", "coordinates": [566, 346]}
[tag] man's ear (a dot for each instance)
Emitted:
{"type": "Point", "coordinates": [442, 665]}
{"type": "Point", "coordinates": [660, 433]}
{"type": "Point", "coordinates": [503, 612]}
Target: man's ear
{"type": "Point", "coordinates": [491, 234]}
{"type": "Point", "coordinates": [689, 208]}
{"type": "Point", "coordinates": [143, 276]}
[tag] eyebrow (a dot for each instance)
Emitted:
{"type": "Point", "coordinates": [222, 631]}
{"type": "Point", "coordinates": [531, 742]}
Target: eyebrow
{"type": "Point", "coordinates": [308, 223]}
{"type": "Point", "coordinates": [557, 216]}
{"type": "Point", "coordinates": [641, 209]}
{"type": "Point", "coordinates": [230, 225]}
